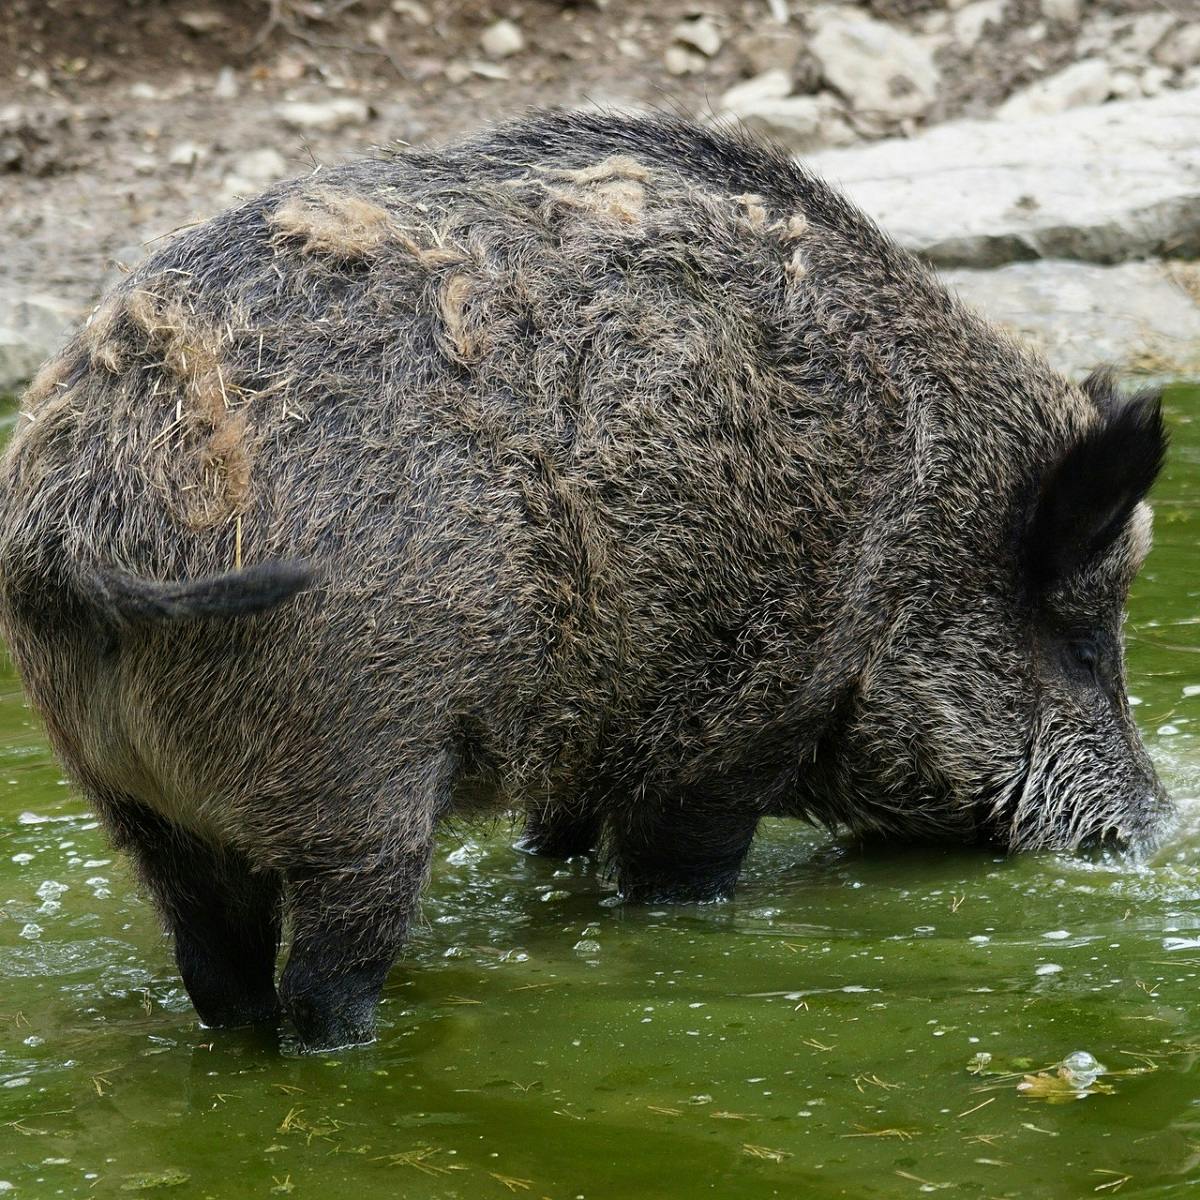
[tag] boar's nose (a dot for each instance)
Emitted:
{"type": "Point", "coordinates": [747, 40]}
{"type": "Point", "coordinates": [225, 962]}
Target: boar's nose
{"type": "Point", "coordinates": [1140, 832]}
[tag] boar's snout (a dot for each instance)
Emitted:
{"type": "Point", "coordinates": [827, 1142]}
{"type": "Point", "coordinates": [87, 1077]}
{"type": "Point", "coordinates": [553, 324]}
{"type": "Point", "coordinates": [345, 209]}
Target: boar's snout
{"type": "Point", "coordinates": [1088, 802]}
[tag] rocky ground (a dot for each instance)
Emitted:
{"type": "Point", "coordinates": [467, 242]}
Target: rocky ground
{"type": "Point", "coordinates": [1045, 153]}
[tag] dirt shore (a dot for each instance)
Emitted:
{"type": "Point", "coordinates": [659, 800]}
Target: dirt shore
{"type": "Point", "coordinates": [122, 120]}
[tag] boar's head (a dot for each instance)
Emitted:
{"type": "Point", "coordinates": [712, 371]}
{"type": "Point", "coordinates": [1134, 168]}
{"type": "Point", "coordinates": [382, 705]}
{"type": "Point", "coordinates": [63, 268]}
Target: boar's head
{"type": "Point", "coordinates": [996, 709]}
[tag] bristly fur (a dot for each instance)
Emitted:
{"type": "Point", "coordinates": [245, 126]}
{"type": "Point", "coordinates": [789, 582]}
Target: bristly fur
{"type": "Point", "coordinates": [652, 490]}
{"type": "Point", "coordinates": [1089, 496]}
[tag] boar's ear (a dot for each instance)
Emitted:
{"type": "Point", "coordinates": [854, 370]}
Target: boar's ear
{"type": "Point", "coordinates": [1089, 495]}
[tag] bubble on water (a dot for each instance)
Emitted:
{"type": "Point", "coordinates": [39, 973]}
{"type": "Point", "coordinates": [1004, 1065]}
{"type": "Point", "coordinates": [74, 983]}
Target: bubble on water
{"type": "Point", "coordinates": [587, 946]}
{"type": "Point", "coordinates": [51, 890]}
{"type": "Point", "coordinates": [1048, 969]}
{"type": "Point", "coordinates": [34, 1040]}
{"type": "Point", "coordinates": [1167, 730]}
{"type": "Point", "coordinates": [22, 859]}
{"type": "Point", "coordinates": [31, 932]}
{"type": "Point", "coordinates": [1081, 1069]}
{"type": "Point", "coordinates": [705, 1098]}
{"type": "Point", "coordinates": [554, 896]}
{"type": "Point", "coordinates": [1057, 935]}
{"type": "Point", "coordinates": [1190, 690]}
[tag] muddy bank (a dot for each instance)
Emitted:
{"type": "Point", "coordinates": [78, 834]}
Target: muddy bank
{"type": "Point", "coordinates": [980, 134]}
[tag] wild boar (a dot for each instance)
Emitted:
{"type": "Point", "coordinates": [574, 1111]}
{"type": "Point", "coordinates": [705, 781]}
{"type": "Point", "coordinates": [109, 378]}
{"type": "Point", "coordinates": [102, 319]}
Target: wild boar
{"type": "Point", "coordinates": [615, 470]}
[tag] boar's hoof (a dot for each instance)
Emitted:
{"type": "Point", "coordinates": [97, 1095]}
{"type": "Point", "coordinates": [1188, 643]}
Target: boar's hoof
{"type": "Point", "coordinates": [215, 1013]}
{"type": "Point", "coordinates": [678, 887]}
{"type": "Point", "coordinates": [333, 1012]}
{"type": "Point", "coordinates": [320, 1028]}
{"type": "Point", "coordinates": [560, 834]}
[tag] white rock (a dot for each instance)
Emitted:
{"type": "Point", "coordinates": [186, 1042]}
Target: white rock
{"type": "Point", "coordinates": [699, 32]}
{"type": "Point", "coordinates": [1124, 85]}
{"type": "Point", "coordinates": [324, 115]}
{"type": "Point", "coordinates": [800, 123]}
{"type": "Point", "coordinates": [32, 327]}
{"type": "Point", "coordinates": [253, 171]}
{"type": "Point", "coordinates": [1081, 316]}
{"type": "Point", "coordinates": [1155, 80]}
{"type": "Point", "coordinates": [1107, 184]}
{"type": "Point", "coordinates": [202, 20]}
{"type": "Point", "coordinates": [187, 154]}
{"type": "Point", "coordinates": [260, 167]}
{"type": "Point", "coordinates": [770, 85]}
{"type": "Point", "coordinates": [1066, 12]}
{"type": "Point", "coordinates": [487, 70]}
{"type": "Point", "coordinates": [1087, 82]}
{"type": "Point", "coordinates": [679, 60]}
{"type": "Point", "coordinates": [970, 22]}
{"type": "Point", "coordinates": [226, 85]}
{"type": "Point", "coordinates": [413, 10]}
{"type": "Point", "coordinates": [878, 68]}
{"type": "Point", "coordinates": [1145, 33]}
{"type": "Point", "coordinates": [1180, 49]}
{"type": "Point", "coordinates": [502, 39]}
{"type": "Point", "coordinates": [769, 48]}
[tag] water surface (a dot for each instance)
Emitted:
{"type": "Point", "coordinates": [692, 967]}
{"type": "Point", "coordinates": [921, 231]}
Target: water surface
{"type": "Point", "coordinates": [827, 1034]}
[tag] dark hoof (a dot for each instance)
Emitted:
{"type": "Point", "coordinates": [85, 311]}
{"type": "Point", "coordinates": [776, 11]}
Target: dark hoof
{"type": "Point", "coordinates": [323, 1032]}
{"type": "Point", "coordinates": [688, 889]}
{"type": "Point", "coordinates": [224, 1015]}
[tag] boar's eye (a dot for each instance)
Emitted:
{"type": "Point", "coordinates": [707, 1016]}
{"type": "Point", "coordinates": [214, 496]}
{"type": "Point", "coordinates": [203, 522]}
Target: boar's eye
{"type": "Point", "coordinates": [1084, 653]}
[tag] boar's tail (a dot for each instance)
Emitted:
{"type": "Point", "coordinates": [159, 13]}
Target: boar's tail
{"type": "Point", "coordinates": [254, 589]}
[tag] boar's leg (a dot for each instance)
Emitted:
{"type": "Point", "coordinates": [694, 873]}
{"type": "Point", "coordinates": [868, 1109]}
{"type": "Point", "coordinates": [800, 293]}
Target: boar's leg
{"type": "Point", "coordinates": [350, 912]}
{"type": "Point", "coordinates": [680, 850]}
{"type": "Point", "coordinates": [344, 947]}
{"type": "Point", "coordinates": [223, 916]}
{"type": "Point", "coordinates": [560, 833]}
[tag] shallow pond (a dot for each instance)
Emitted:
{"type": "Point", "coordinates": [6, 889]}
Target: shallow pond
{"type": "Point", "coordinates": [827, 1034]}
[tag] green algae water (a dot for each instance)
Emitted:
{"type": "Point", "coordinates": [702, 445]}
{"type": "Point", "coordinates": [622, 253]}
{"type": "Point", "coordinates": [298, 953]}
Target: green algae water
{"type": "Point", "coordinates": [861, 1025]}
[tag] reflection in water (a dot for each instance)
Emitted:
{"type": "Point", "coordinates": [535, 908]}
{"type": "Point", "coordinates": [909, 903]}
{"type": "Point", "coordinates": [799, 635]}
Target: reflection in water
{"type": "Point", "coordinates": [856, 1023]}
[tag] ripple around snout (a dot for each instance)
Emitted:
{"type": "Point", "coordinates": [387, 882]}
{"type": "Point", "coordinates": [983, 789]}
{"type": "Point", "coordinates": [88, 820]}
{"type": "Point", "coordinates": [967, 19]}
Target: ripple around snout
{"type": "Point", "coordinates": [855, 1022]}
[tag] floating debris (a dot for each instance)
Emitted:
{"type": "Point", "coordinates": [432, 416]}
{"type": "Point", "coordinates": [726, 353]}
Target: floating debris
{"type": "Point", "coordinates": [765, 1152]}
{"type": "Point", "coordinates": [1077, 1076]}
{"type": "Point", "coordinates": [149, 1181]}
